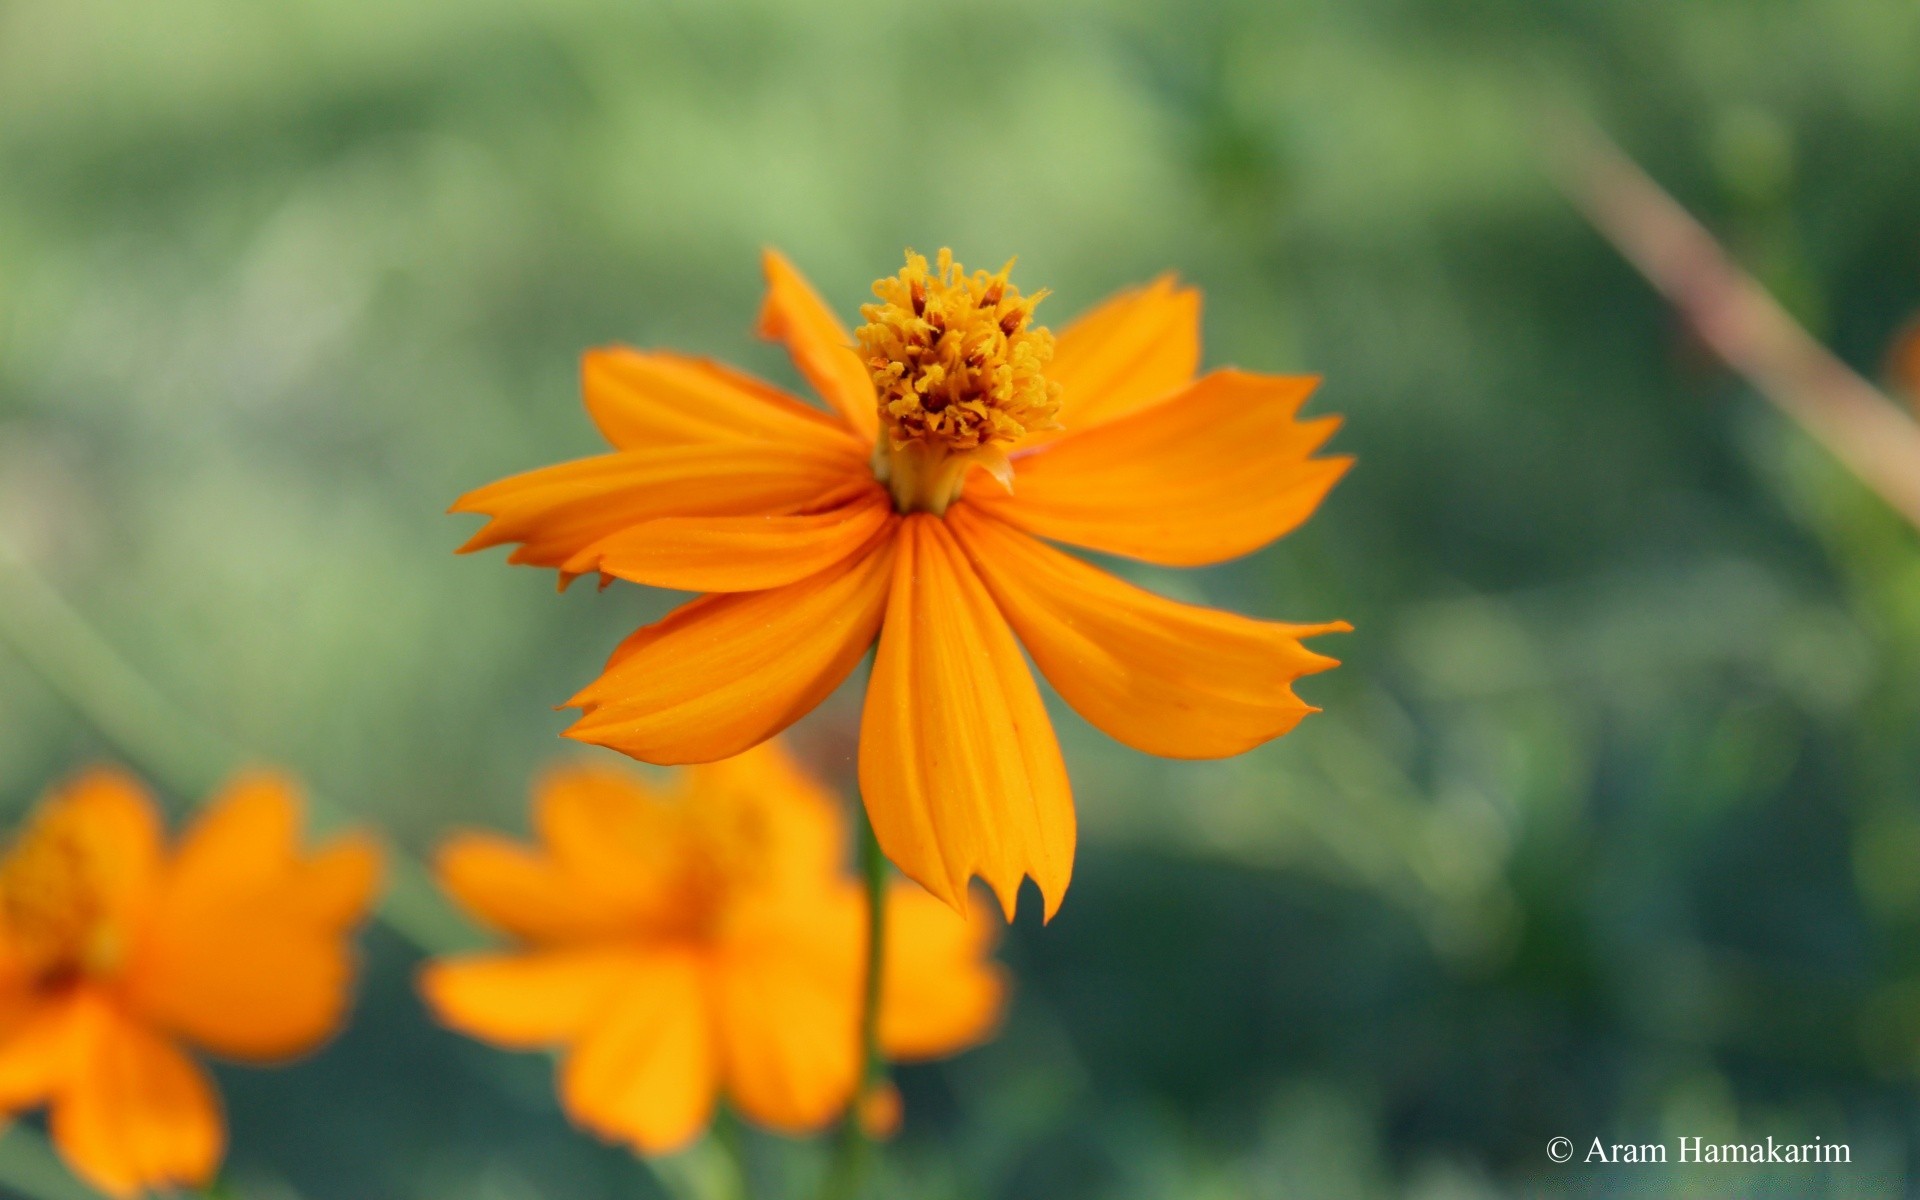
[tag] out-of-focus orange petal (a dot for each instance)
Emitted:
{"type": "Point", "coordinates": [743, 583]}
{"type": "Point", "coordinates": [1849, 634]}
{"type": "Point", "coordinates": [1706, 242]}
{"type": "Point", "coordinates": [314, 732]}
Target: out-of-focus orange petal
{"type": "Point", "coordinates": [1137, 348]}
{"type": "Point", "coordinates": [820, 345]}
{"type": "Point", "coordinates": [775, 802]}
{"type": "Point", "coordinates": [615, 837]}
{"type": "Point", "coordinates": [647, 1071]}
{"type": "Point", "coordinates": [247, 840]}
{"type": "Point", "coordinates": [336, 885]}
{"type": "Point", "coordinates": [556, 512]}
{"type": "Point", "coordinates": [521, 892]}
{"type": "Point", "coordinates": [138, 1115]}
{"type": "Point", "coordinates": [112, 823]}
{"type": "Point", "coordinates": [254, 985]}
{"type": "Point", "coordinates": [246, 837]}
{"type": "Point", "coordinates": [727, 672]}
{"type": "Point", "coordinates": [787, 1004]}
{"type": "Point", "coordinates": [645, 399]}
{"type": "Point", "coordinates": [40, 1050]}
{"type": "Point", "coordinates": [245, 951]}
{"type": "Point", "coordinates": [740, 554]}
{"type": "Point", "coordinates": [943, 992]}
{"type": "Point", "coordinates": [528, 1001]}
{"type": "Point", "coordinates": [1167, 678]}
{"type": "Point", "coordinates": [958, 762]}
{"type": "Point", "coordinates": [1217, 471]}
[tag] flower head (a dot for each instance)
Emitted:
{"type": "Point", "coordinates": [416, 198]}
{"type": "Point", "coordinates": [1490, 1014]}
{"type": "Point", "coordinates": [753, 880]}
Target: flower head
{"type": "Point", "coordinates": [918, 517]}
{"type": "Point", "coordinates": [960, 374]}
{"type": "Point", "coordinates": [114, 952]}
{"type": "Point", "coordinates": [684, 942]}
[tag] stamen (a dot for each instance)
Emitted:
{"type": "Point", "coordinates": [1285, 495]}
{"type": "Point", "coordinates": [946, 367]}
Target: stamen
{"type": "Point", "coordinates": [958, 370]}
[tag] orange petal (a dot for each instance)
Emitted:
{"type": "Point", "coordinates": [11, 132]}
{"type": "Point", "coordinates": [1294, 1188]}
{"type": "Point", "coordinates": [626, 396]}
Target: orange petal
{"type": "Point", "coordinates": [739, 554]}
{"type": "Point", "coordinates": [110, 821]}
{"type": "Point", "coordinates": [528, 1001]}
{"type": "Point", "coordinates": [616, 838]}
{"type": "Point", "coordinates": [520, 892]}
{"type": "Point", "coordinates": [1167, 678]}
{"type": "Point", "coordinates": [943, 992]}
{"type": "Point", "coordinates": [727, 672]}
{"type": "Point", "coordinates": [1217, 471]}
{"type": "Point", "coordinates": [787, 1005]}
{"type": "Point", "coordinates": [958, 762]}
{"type": "Point", "coordinates": [821, 347]}
{"type": "Point", "coordinates": [646, 1073]}
{"type": "Point", "coordinates": [246, 950]}
{"type": "Point", "coordinates": [250, 985]}
{"type": "Point", "coordinates": [40, 1051]}
{"type": "Point", "coordinates": [246, 837]}
{"type": "Point", "coordinates": [642, 400]}
{"type": "Point", "coordinates": [1139, 347]}
{"type": "Point", "coordinates": [138, 1115]}
{"type": "Point", "coordinates": [338, 883]}
{"type": "Point", "coordinates": [556, 512]}
{"type": "Point", "coordinates": [769, 792]}
{"type": "Point", "coordinates": [247, 841]}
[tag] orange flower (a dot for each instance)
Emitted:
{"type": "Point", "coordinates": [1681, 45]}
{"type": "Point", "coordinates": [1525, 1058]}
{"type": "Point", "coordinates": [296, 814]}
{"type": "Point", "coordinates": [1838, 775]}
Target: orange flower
{"type": "Point", "coordinates": [1903, 363]}
{"type": "Point", "coordinates": [963, 435]}
{"type": "Point", "coordinates": [681, 942]}
{"type": "Point", "coordinates": [113, 952]}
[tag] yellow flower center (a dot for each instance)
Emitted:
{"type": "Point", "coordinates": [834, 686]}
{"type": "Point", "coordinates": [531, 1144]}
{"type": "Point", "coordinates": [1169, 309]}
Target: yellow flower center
{"type": "Point", "coordinates": [959, 370]}
{"type": "Point", "coordinates": [52, 902]}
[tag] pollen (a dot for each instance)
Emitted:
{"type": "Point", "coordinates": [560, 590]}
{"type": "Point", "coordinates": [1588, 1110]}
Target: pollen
{"type": "Point", "coordinates": [956, 360]}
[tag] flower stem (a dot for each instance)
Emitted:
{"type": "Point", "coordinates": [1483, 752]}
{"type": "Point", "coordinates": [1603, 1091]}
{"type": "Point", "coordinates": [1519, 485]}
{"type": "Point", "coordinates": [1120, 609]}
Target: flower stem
{"type": "Point", "coordinates": [173, 746]}
{"type": "Point", "coordinates": [727, 1135]}
{"type": "Point", "coordinates": [855, 1153]}
{"type": "Point", "coordinates": [873, 866]}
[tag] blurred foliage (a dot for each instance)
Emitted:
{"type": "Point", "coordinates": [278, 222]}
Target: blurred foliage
{"type": "Point", "coordinates": [1612, 824]}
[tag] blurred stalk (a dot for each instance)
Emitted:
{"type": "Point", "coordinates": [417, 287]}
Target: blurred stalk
{"type": "Point", "coordinates": [730, 1138]}
{"type": "Point", "coordinates": [182, 754]}
{"type": "Point", "coordinates": [171, 745]}
{"type": "Point", "coordinates": [854, 1156]}
{"type": "Point", "coordinates": [1873, 437]}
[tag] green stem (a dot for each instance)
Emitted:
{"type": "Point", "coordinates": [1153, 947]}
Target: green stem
{"type": "Point", "coordinates": [183, 754]}
{"type": "Point", "coordinates": [873, 867]}
{"type": "Point", "coordinates": [727, 1135]}
{"type": "Point", "coordinates": [171, 745]}
{"type": "Point", "coordinates": [856, 1151]}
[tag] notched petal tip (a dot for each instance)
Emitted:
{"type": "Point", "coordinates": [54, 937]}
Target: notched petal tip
{"type": "Point", "coordinates": [1006, 896]}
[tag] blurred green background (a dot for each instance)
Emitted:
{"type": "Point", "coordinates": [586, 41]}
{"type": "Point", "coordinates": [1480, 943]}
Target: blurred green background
{"type": "Point", "coordinates": [1611, 826]}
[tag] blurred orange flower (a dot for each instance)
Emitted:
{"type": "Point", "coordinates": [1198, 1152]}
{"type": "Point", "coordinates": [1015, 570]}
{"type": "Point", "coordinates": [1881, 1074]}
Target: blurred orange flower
{"type": "Point", "coordinates": [963, 435]}
{"type": "Point", "coordinates": [1903, 363]}
{"type": "Point", "coordinates": [113, 952]}
{"type": "Point", "coordinates": [704, 938]}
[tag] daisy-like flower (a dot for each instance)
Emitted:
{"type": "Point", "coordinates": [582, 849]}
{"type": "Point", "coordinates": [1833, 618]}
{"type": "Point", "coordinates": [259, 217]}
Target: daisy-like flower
{"type": "Point", "coordinates": [114, 952]}
{"type": "Point", "coordinates": [963, 440]}
{"type": "Point", "coordinates": [682, 943]}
